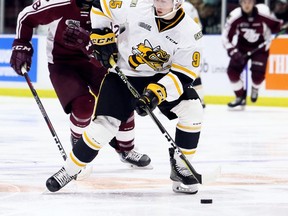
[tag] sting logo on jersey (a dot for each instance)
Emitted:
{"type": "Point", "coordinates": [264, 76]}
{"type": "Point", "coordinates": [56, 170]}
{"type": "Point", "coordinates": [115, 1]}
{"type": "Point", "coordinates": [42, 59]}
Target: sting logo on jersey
{"type": "Point", "coordinates": [154, 57]}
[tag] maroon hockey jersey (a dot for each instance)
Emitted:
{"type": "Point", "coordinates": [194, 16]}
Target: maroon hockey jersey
{"type": "Point", "coordinates": [58, 14]}
{"type": "Point", "coordinates": [250, 30]}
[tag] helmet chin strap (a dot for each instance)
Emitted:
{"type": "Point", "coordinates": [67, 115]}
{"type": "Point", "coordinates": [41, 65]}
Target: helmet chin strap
{"type": "Point", "coordinates": [168, 14]}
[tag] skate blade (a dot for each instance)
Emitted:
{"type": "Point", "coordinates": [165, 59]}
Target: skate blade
{"type": "Point", "coordinates": [237, 108]}
{"type": "Point", "coordinates": [84, 174]}
{"type": "Point", "coordinates": [132, 166]}
{"type": "Point", "coordinates": [179, 187]}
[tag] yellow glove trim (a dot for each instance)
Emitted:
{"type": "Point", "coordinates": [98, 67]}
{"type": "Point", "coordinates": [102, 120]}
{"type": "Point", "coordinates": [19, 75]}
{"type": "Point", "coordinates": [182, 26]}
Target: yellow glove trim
{"type": "Point", "coordinates": [159, 91]}
{"type": "Point", "coordinates": [102, 40]}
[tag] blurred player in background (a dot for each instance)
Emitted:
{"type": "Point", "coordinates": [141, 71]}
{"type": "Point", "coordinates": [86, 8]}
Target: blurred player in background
{"type": "Point", "coordinates": [252, 25]}
{"type": "Point", "coordinates": [75, 76]}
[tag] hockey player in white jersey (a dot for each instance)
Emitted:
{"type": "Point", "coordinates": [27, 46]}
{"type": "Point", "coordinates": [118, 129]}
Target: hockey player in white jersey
{"type": "Point", "coordinates": [160, 53]}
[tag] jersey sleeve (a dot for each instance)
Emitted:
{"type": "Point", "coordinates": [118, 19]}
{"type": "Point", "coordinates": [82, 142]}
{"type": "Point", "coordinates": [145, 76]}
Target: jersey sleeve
{"type": "Point", "coordinates": [185, 68]}
{"type": "Point", "coordinates": [41, 12]}
{"type": "Point", "coordinates": [269, 19]}
{"type": "Point", "coordinates": [105, 12]}
{"type": "Point", "coordinates": [230, 29]}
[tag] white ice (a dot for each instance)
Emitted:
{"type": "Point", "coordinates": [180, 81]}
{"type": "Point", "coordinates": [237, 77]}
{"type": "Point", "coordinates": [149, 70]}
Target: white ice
{"type": "Point", "coordinates": [251, 147]}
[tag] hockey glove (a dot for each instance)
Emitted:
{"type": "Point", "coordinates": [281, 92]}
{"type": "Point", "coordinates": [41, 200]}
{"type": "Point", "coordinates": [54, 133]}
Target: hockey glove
{"type": "Point", "coordinates": [152, 96]}
{"type": "Point", "coordinates": [237, 56]}
{"type": "Point", "coordinates": [22, 52]}
{"type": "Point", "coordinates": [104, 45]}
{"type": "Point", "coordinates": [75, 36]}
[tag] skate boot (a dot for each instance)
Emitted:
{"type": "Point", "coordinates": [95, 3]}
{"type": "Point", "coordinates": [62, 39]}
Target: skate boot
{"type": "Point", "coordinates": [183, 180]}
{"type": "Point", "coordinates": [58, 180]}
{"type": "Point", "coordinates": [135, 159]}
{"type": "Point", "coordinates": [254, 94]}
{"type": "Point", "coordinates": [238, 103]}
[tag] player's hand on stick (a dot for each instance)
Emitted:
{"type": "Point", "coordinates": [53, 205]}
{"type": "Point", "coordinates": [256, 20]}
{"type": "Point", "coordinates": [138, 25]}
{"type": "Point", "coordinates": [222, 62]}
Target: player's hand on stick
{"type": "Point", "coordinates": [237, 56]}
{"type": "Point", "coordinates": [153, 95]}
{"type": "Point", "coordinates": [22, 52]}
{"type": "Point", "coordinates": [76, 36]}
{"type": "Point", "coordinates": [104, 45]}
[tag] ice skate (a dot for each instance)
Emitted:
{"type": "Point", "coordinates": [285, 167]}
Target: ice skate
{"type": "Point", "coordinates": [254, 94]}
{"type": "Point", "coordinates": [135, 159]}
{"type": "Point", "coordinates": [58, 180]}
{"type": "Point", "coordinates": [238, 104]}
{"type": "Point", "coordinates": [84, 173]}
{"type": "Point", "coordinates": [183, 180]}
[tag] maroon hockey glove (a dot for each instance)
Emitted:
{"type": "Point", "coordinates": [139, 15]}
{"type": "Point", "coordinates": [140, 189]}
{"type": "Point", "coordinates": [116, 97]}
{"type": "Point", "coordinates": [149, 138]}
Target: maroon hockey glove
{"type": "Point", "coordinates": [237, 56]}
{"type": "Point", "coordinates": [152, 96]}
{"type": "Point", "coordinates": [22, 52]}
{"type": "Point", "coordinates": [104, 45]}
{"type": "Point", "coordinates": [76, 37]}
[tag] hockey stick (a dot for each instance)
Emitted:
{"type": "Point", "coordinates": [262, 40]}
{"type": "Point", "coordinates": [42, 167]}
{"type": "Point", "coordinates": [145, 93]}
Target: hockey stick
{"type": "Point", "coordinates": [44, 114]}
{"type": "Point", "coordinates": [260, 46]}
{"type": "Point", "coordinates": [136, 94]}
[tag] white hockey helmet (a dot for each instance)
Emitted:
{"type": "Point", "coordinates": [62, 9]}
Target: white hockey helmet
{"type": "Point", "coordinates": [176, 6]}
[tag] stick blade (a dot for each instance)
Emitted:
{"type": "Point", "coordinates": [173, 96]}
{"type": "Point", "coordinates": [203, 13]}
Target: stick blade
{"type": "Point", "coordinates": [212, 176]}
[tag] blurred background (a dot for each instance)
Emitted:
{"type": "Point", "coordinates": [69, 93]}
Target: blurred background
{"type": "Point", "coordinates": [212, 12]}
{"type": "Point", "coordinates": [212, 15]}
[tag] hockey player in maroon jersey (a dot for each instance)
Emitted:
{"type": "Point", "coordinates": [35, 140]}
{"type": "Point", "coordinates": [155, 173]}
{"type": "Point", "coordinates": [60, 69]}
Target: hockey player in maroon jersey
{"type": "Point", "coordinates": [252, 24]}
{"type": "Point", "coordinates": [72, 72]}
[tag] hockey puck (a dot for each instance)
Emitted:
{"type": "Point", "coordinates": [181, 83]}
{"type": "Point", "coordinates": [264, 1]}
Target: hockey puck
{"type": "Point", "coordinates": [206, 201]}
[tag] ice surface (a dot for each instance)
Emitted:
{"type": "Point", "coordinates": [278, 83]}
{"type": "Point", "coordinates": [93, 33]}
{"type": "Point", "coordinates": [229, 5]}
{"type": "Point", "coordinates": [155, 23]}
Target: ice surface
{"type": "Point", "coordinates": [251, 147]}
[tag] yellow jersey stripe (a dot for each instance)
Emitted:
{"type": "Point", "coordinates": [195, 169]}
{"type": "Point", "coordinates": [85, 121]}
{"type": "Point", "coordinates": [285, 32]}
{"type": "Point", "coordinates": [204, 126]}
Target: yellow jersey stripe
{"type": "Point", "coordinates": [107, 9]}
{"type": "Point", "coordinates": [179, 89]}
{"type": "Point", "coordinates": [190, 128]}
{"type": "Point", "coordinates": [76, 161]}
{"type": "Point", "coordinates": [90, 143]}
{"type": "Point", "coordinates": [185, 70]}
{"type": "Point", "coordinates": [97, 12]}
{"type": "Point", "coordinates": [189, 152]}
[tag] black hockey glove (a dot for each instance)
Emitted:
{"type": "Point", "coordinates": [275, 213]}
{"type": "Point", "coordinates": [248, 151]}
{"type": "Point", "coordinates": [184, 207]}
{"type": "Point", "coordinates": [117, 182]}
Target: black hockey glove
{"type": "Point", "coordinates": [104, 45]}
{"type": "Point", "coordinates": [152, 96]}
{"type": "Point", "coordinates": [22, 52]}
{"type": "Point", "coordinates": [76, 36]}
{"type": "Point", "coordinates": [237, 56]}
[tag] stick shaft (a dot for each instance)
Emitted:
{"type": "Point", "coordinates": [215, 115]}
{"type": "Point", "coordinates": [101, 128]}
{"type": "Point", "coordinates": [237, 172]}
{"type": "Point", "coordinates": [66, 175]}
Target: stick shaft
{"type": "Point", "coordinates": [45, 116]}
{"type": "Point", "coordinates": [157, 122]}
{"type": "Point", "coordinates": [260, 46]}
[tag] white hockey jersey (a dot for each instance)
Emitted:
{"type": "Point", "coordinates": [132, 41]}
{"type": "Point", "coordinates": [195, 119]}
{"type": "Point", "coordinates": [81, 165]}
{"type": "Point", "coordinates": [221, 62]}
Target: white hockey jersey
{"type": "Point", "coordinates": [191, 11]}
{"type": "Point", "coordinates": [145, 49]}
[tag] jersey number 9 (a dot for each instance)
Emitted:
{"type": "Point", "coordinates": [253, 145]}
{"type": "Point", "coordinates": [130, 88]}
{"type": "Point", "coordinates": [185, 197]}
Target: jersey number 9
{"type": "Point", "coordinates": [196, 59]}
